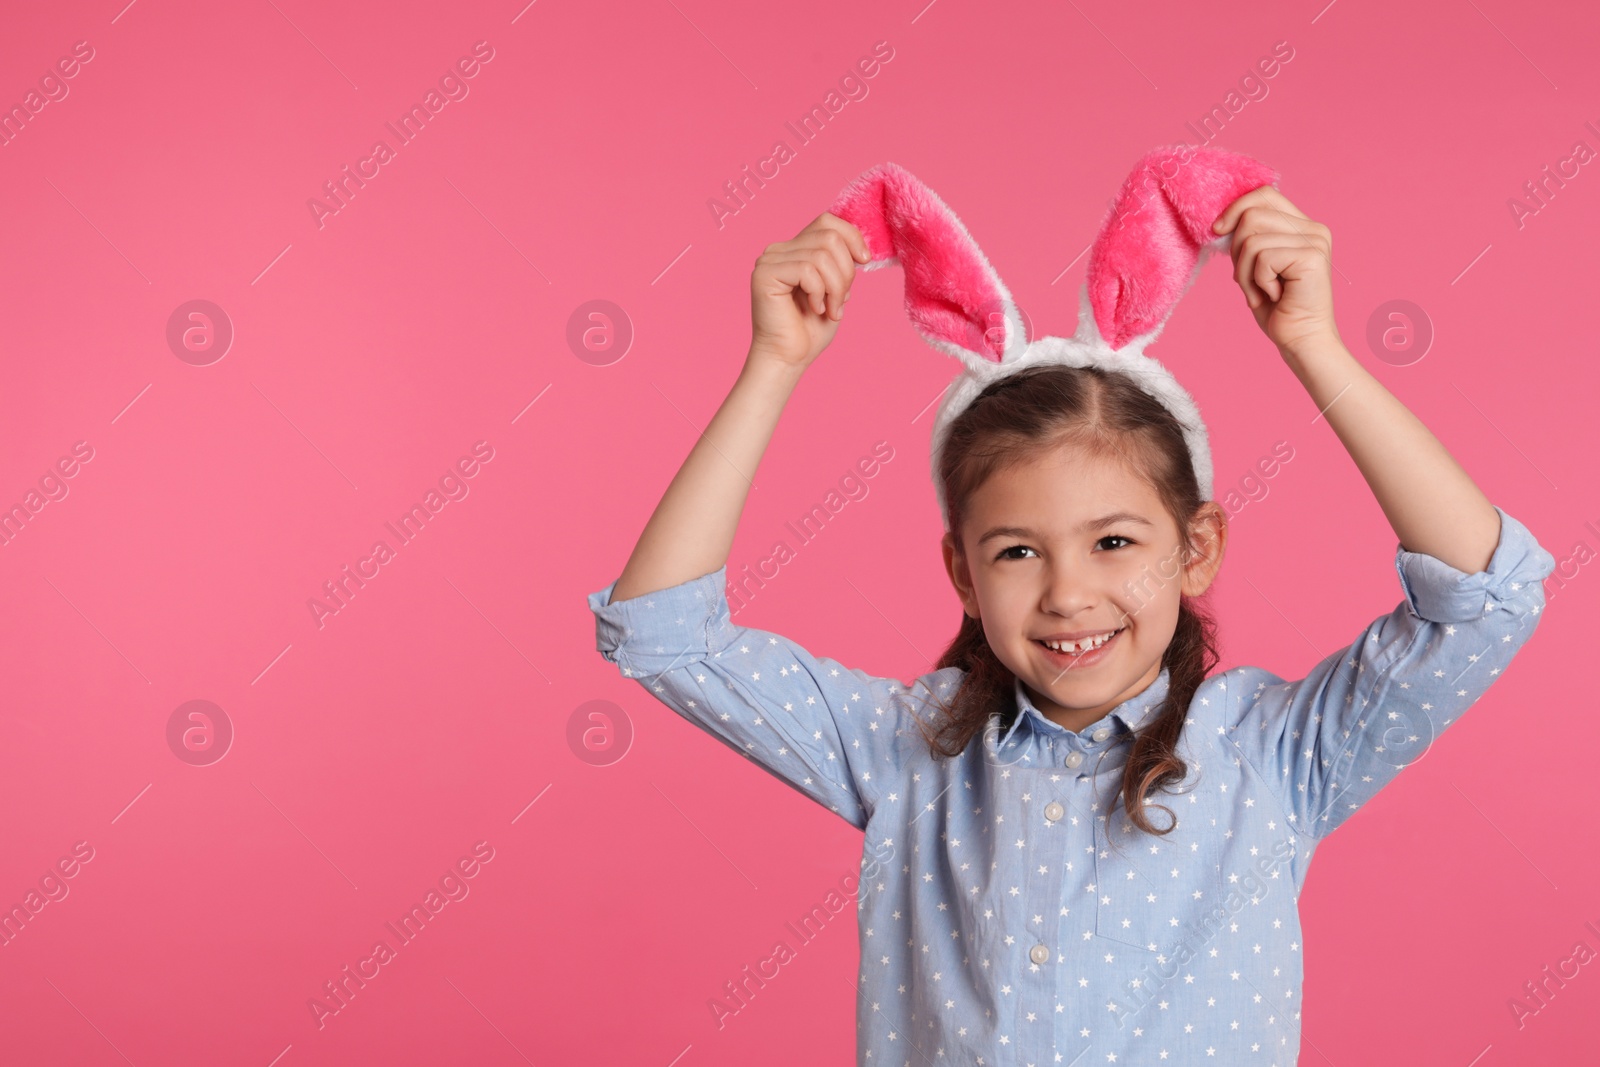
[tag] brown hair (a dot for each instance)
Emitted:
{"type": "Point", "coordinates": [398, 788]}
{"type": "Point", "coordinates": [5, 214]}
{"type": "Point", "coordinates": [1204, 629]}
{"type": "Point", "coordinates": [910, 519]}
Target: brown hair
{"type": "Point", "coordinates": [1020, 418]}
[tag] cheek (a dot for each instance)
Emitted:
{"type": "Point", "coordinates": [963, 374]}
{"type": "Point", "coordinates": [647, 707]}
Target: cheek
{"type": "Point", "coordinates": [997, 601]}
{"type": "Point", "coordinates": [1154, 619]}
{"type": "Point", "coordinates": [1005, 603]}
{"type": "Point", "coordinates": [1145, 590]}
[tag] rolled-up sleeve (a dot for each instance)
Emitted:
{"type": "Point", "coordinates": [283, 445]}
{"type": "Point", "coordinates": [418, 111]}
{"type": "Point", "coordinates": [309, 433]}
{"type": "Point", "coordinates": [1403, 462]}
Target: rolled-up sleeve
{"type": "Point", "coordinates": [1329, 742]}
{"type": "Point", "coordinates": [832, 732]}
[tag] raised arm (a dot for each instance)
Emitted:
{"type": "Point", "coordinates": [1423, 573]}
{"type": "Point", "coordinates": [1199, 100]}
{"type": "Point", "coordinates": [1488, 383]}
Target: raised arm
{"type": "Point", "coordinates": [797, 294]}
{"type": "Point", "coordinates": [1281, 261]}
{"type": "Point", "coordinates": [1472, 575]}
{"type": "Point", "coordinates": [834, 733]}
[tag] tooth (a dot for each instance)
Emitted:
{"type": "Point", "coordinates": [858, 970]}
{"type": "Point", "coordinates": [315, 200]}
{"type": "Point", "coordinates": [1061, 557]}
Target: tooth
{"type": "Point", "coordinates": [1084, 645]}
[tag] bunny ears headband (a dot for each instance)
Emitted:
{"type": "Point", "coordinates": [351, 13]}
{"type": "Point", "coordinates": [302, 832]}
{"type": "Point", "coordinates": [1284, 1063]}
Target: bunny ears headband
{"type": "Point", "coordinates": [1148, 252]}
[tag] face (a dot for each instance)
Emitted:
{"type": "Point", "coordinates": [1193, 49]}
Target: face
{"type": "Point", "coordinates": [1078, 545]}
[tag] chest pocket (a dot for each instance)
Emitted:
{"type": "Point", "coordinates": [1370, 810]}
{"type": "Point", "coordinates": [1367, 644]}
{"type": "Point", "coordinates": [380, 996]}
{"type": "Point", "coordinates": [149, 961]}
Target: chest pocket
{"type": "Point", "coordinates": [1150, 890]}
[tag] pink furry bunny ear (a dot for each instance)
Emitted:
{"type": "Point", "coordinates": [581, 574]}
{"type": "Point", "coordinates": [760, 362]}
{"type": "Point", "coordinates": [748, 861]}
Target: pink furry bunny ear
{"type": "Point", "coordinates": [1146, 254]}
{"type": "Point", "coordinates": [953, 296]}
{"type": "Point", "coordinates": [1158, 234]}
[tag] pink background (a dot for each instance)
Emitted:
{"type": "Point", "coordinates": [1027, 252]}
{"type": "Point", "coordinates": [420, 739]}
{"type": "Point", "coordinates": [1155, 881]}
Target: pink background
{"type": "Point", "coordinates": [372, 753]}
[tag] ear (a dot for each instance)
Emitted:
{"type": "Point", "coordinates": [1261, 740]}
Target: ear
{"type": "Point", "coordinates": [1158, 234]}
{"type": "Point", "coordinates": [953, 296]}
{"type": "Point", "coordinates": [960, 572]}
{"type": "Point", "coordinates": [1209, 534]}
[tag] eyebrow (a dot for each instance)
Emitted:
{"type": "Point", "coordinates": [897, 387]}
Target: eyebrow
{"type": "Point", "coordinates": [1092, 524]}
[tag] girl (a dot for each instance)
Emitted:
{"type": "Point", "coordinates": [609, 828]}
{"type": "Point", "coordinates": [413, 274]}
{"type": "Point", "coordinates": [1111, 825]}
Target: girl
{"type": "Point", "coordinates": [1080, 846]}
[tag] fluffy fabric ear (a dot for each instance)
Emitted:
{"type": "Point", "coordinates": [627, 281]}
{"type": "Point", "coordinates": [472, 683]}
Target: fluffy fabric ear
{"type": "Point", "coordinates": [1158, 234]}
{"type": "Point", "coordinates": [953, 297]}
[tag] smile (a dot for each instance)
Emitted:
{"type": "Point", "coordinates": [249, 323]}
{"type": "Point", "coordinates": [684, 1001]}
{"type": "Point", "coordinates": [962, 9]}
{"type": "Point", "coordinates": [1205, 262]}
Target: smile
{"type": "Point", "coordinates": [1086, 644]}
{"type": "Point", "coordinates": [1083, 654]}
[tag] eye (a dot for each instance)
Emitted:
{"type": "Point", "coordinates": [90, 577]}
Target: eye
{"type": "Point", "coordinates": [1005, 553]}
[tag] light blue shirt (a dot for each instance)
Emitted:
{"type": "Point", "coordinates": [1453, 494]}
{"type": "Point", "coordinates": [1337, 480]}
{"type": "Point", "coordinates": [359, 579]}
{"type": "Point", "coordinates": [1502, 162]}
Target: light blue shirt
{"type": "Point", "coordinates": [1004, 917]}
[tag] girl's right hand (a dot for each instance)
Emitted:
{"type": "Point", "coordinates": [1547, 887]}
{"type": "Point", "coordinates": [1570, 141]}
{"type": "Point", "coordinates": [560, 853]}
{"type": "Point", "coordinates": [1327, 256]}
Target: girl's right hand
{"type": "Point", "coordinates": [798, 290]}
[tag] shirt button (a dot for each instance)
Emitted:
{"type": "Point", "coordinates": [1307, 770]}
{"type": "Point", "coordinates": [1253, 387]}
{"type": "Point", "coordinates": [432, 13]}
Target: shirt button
{"type": "Point", "coordinates": [1053, 811]}
{"type": "Point", "coordinates": [1074, 759]}
{"type": "Point", "coordinates": [1101, 734]}
{"type": "Point", "coordinates": [1039, 954]}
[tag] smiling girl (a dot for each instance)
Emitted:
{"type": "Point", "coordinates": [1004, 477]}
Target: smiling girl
{"type": "Point", "coordinates": [1100, 844]}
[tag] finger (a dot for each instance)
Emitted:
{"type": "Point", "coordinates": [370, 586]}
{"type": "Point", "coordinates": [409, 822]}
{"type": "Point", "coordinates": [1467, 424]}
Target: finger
{"type": "Point", "coordinates": [826, 263]}
{"type": "Point", "coordinates": [1264, 239]}
{"type": "Point", "coordinates": [831, 263]}
{"type": "Point", "coordinates": [1270, 248]}
{"type": "Point", "coordinates": [1265, 196]}
{"type": "Point", "coordinates": [800, 277]}
{"type": "Point", "coordinates": [1285, 263]}
{"type": "Point", "coordinates": [1265, 219]}
{"type": "Point", "coordinates": [1265, 274]}
{"type": "Point", "coordinates": [1244, 265]}
{"type": "Point", "coordinates": [838, 242]}
{"type": "Point", "coordinates": [1230, 214]}
{"type": "Point", "coordinates": [833, 250]}
{"type": "Point", "coordinates": [855, 240]}
{"type": "Point", "coordinates": [816, 288]}
{"type": "Point", "coordinates": [1269, 196]}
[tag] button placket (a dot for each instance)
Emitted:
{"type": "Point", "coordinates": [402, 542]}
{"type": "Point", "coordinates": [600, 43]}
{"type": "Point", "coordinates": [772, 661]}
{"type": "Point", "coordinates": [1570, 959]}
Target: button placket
{"type": "Point", "coordinates": [1034, 919]}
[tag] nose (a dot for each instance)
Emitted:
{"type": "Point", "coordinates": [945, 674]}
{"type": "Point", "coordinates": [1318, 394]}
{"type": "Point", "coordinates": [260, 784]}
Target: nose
{"type": "Point", "coordinates": [1068, 590]}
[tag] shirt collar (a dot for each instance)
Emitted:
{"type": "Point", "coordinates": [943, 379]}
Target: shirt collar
{"type": "Point", "coordinates": [1128, 715]}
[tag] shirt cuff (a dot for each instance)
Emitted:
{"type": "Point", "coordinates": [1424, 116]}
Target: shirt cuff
{"type": "Point", "coordinates": [649, 634]}
{"type": "Point", "coordinates": [1439, 592]}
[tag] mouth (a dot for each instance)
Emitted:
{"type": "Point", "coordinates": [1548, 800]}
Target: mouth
{"type": "Point", "coordinates": [1088, 657]}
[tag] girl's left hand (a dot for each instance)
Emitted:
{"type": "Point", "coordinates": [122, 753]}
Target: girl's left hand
{"type": "Point", "coordinates": [1281, 259]}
